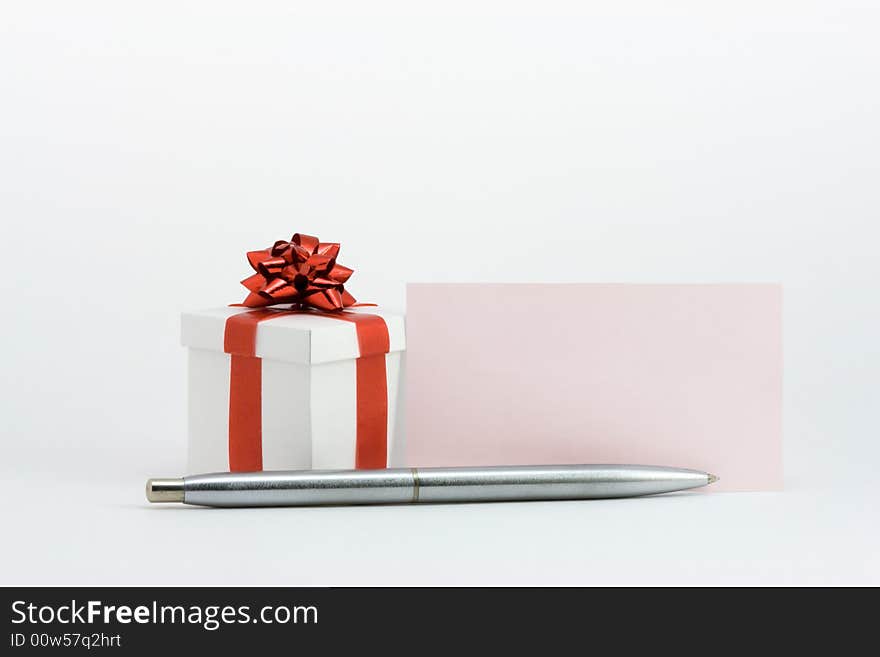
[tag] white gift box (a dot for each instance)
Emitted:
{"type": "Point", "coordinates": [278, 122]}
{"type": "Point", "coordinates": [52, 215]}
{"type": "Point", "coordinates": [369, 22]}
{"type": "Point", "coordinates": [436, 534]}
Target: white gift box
{"type": "Point", "coordinates": [309, 392]}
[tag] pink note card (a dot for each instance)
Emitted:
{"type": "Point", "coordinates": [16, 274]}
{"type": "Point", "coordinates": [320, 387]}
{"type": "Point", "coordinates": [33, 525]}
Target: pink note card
{"type": "Point", "coordinates": [680, 375]}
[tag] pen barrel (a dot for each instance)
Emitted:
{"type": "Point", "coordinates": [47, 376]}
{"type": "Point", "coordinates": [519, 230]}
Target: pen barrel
{"type": "Point", "coordinates": [552, 482]}
{"type": "Point", "coordinates": [436, 485]}
{"type": "Point", "coordinates": [300, 488]}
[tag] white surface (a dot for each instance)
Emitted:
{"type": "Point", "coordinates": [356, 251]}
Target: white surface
{"type": "Point", "coordinates": [144, 149]}
{"type": "Point", "coordinates": [81, 530]}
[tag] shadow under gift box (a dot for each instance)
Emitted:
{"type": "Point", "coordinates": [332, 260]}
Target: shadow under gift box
{"type": "Point", "coordinates": [308, 392]}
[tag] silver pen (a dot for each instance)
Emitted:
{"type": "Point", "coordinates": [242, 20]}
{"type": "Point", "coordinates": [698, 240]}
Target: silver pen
{"type": "Point", "coordinates": [424, 485]}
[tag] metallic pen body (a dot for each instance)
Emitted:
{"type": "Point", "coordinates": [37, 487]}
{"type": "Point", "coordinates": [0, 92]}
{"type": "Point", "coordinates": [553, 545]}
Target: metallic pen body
{"type": "Point", "coordinates": [424, 485]}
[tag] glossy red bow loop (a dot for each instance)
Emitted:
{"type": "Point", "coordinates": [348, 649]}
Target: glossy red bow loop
{"type": "Point", "coordinates": [302, 272]}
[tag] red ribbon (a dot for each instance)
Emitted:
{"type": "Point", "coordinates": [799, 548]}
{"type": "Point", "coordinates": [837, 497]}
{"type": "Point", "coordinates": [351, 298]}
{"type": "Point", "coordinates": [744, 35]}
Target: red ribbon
{"type": "Point", "coordinates": [321, 289]}
{"type": "Point", "coordinates": [303, 272]}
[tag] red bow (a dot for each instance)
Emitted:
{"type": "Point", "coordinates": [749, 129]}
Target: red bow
{"type": "Point", "coordinates": [303, 272]}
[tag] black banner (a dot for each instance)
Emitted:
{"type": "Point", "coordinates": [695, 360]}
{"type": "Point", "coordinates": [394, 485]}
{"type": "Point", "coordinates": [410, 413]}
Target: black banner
{"type": "Point", "coordinates": [135, 620]}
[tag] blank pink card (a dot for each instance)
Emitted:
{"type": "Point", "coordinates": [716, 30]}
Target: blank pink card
{"type": "Point", "coordinates": [679, 375]}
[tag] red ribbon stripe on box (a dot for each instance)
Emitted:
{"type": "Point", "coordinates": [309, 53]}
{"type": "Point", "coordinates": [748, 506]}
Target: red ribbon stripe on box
{"type": "Point", "coordinates": [303, 272]}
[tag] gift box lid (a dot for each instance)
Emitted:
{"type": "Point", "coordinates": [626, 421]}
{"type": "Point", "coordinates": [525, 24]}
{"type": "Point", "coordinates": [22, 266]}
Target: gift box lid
{"type": "Point", "coordinates": [308, 338]}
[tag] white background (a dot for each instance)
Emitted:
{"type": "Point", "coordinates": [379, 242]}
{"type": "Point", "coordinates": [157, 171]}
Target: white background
{"type": "Point", "coordinates": [145, 146]}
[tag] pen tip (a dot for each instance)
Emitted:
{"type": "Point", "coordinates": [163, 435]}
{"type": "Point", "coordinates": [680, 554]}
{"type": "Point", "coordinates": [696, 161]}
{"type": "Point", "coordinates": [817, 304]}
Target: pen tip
{"type": "Point", "coordinates": [165, 490]}
{"type": "Point", "coordinates": [712, 478]}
